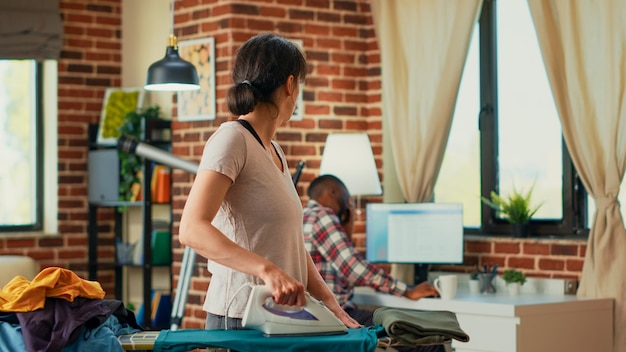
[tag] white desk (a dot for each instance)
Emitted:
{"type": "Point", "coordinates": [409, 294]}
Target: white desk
{"type": "Point", "coordinates": [525, 323]}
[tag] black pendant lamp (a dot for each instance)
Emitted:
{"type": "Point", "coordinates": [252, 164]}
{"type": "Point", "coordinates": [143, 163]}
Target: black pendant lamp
{"type": "Point", "coordinates": [172, 73]}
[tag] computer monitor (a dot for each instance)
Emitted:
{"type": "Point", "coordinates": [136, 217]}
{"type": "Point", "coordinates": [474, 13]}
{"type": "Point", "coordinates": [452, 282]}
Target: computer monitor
{"type": "Point", "coordinates": [415, 233]}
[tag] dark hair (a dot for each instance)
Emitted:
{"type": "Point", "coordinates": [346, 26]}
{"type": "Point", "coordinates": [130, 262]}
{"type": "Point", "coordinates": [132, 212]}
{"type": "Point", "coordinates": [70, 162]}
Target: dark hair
{"type": "Point", "coordinates": [319, 184]}
{"type": "Point", "coordinates": [262, 64]}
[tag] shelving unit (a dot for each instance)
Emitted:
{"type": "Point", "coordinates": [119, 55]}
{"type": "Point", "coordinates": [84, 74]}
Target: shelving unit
{"type": "Point", "coordinates": [156, 133]}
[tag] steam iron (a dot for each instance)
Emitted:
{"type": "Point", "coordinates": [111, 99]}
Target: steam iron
{"type": "Point", "coordinates": [273, 319]}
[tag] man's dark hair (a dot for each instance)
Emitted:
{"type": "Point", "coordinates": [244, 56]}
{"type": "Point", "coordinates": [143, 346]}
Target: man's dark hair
{"type": "Point", "coordinates": [318, 185]}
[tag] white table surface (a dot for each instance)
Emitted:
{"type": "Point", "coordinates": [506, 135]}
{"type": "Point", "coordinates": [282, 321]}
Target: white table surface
{"type": "Point", "coordinates": [498, 304]}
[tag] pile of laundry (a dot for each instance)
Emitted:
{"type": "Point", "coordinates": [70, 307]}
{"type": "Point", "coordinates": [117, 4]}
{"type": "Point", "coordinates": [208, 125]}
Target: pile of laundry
{"type": "Point", "coordinates": [59, 311]}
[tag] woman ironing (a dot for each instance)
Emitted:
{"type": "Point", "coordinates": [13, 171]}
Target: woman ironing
{"type": "Point", "coordinates": [243, 213]}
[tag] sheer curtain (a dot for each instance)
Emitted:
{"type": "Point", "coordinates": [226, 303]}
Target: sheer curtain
{"type": "Point", "coordinates": [423, 46]}
{"type": "Point", "coordinates": [584, 48]}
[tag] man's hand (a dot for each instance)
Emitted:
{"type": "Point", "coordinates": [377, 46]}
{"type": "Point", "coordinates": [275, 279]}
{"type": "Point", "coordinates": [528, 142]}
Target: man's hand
{"type": "Point", "coordinates": [422, 290]}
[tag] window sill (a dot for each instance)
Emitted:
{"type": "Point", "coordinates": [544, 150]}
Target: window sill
{"type": "Point", "coordinates": [33, 234]}
{"type": "Point", "coordinates": [509, 238]}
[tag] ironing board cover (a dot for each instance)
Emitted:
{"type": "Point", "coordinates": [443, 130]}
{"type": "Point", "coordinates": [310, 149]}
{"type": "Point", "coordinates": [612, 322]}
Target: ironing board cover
{"type": "Point", "coordinates": [362, 339]}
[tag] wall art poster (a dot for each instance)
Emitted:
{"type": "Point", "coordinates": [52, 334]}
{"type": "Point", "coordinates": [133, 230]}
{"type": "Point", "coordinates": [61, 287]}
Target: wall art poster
{"type": "Point", "coordinates": [198, 104]}
{"type": "Point", "coordinates": [116, 104]}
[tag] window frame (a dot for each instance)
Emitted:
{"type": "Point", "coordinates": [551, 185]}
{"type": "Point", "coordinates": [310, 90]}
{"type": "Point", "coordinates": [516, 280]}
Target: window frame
{"type": "Point", "coordinates": [38, 224]}
{"type": "Point", "coordinates": [574, 199]}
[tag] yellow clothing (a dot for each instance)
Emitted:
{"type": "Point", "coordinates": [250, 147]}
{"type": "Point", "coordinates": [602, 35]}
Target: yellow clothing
{"type": "Point", "coordinates": [21, 295]}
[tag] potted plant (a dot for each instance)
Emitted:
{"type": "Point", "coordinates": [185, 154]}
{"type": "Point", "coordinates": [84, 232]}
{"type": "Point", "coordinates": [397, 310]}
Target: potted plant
{"type": "Point", "coordinates": [514, 280]}
{"type": "Point", "coordinates": [515, 207]}
{"type": "Point", "coordinates": [131, 164]}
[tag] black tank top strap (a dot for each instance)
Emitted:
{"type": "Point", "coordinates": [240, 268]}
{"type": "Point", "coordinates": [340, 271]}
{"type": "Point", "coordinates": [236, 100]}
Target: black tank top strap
{"type": "Point", "coordinates": [249, 127]}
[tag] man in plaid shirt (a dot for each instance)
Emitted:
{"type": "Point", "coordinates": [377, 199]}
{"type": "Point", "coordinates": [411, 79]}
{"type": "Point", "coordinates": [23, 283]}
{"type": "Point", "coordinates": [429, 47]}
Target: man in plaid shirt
{"type": "Point", "coordinates": [328, 223]}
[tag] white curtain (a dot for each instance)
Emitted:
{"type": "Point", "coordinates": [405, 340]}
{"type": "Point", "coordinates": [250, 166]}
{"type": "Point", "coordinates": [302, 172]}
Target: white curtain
{"type": "Point", "coordinates": [423, 46]}
{"type": "Point", "coordinates": [583, 43]}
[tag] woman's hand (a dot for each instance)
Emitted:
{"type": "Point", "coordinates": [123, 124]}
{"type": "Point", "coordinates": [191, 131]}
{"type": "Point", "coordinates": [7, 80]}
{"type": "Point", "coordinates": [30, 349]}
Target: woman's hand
{"type": "Point", "coordinates": [345, 318]}
{"type": "Point", "coordinates": [285, 290]}
{"type": "Point", "coordinates": [341, 314]}
{"type": "Point", "coordinates": [318, 289]}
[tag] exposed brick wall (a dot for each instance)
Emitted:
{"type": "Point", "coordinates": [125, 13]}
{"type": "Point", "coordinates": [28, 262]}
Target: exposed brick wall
{"type": "Point", "coordinates": [90, 62]}
{"type": "Point", "coordinates": [342, 93]}
{"type": "Point", "coordinates": [535, 257]}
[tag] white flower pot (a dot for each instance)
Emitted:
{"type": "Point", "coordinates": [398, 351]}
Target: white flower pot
{"type": "Point", "coordinates": [474, 286]}
{"type": "Point", "coordinates": [514, 288]}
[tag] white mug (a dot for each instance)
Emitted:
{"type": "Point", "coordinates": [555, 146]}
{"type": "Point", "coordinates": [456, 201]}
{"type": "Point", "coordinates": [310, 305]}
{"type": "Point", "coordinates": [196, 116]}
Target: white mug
{"type": "Point", "coordinates": [446, 286]}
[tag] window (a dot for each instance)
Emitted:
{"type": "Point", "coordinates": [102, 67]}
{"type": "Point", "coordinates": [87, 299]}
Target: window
{"type": "Point", "coordinates": [506, 131]}
{"type": "Point", "coordinates": [21, 146]}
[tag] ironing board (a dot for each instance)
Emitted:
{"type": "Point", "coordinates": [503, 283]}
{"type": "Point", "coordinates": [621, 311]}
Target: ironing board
{"type": "Point", "coordinates": [364, 339]}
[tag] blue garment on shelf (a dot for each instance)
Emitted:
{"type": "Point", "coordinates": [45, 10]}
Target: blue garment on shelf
{"type": "Point", "coordinates": [363, 339]}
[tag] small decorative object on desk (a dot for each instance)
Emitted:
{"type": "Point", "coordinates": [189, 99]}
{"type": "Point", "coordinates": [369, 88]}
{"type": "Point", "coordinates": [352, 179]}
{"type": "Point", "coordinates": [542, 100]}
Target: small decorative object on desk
{"type": "Point", "coordinates": [474, 282]}
{"type": "Point", "coordinates": [486, 279]}
{"type": "Point", "coordinates": [514, 280]}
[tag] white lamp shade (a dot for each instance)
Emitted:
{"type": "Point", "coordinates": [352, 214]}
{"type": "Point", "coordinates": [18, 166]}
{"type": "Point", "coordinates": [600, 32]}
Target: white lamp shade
{"type": "Point", "coordinates": [349, 157]}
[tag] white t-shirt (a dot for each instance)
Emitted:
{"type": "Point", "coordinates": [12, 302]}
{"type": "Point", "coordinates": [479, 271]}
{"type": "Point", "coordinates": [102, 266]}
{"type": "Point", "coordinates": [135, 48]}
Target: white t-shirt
{"type": "Point", "coordinates": [261, 212]}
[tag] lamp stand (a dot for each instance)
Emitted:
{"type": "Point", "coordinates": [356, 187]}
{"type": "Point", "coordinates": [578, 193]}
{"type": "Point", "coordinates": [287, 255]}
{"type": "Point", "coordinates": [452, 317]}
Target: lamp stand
{"type": "Point", "coordinates": [358, 210]}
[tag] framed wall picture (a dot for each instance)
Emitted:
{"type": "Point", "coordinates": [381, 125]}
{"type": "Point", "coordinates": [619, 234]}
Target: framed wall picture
{"type": "Point", "coordinates": [298, 112]}
{"type": "Point", "coordinates": [198, 104]}
{"type": "Point", "coordinates": [116, 104]}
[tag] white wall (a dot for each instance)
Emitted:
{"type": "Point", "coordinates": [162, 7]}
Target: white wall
{"type": "Point", "coordinates": [146, 26]}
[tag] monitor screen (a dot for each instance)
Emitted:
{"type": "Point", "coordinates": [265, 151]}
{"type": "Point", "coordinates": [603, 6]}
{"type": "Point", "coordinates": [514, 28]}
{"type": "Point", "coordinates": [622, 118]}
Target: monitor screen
{"type": "Point", "coordinates": [417, 233]}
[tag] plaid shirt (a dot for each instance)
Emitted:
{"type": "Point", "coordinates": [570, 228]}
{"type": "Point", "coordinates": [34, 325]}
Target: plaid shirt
{"type": "Point", "coordinates": [339, 263]}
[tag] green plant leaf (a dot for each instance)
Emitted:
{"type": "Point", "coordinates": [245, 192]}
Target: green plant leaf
{"type": "Point", "coordinates": [130, 164]}
{"type": "Point", "coordinates": [512, 275]}
{"type": "Point", "coordinates": [515, 207]}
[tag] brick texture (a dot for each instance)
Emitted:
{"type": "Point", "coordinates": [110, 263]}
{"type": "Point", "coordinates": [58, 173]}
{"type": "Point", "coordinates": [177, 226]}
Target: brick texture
{"type": "Point", "coordinates": [342, 93]}
{"type": "Point", "coordinates": [535, 257]}
{"type": "Point", "coordinates": [90, 62]}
